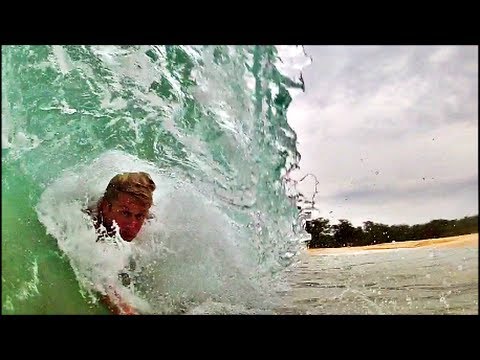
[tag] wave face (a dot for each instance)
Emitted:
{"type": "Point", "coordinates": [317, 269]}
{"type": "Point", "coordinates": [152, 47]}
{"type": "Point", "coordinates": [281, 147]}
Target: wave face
{"type": "Point", "coordinates": [207, 122]}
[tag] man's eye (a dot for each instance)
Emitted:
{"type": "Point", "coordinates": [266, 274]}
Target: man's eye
{"type": "Point", "coordinates": [126, 213]}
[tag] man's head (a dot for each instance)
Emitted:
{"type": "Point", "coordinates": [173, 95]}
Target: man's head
{"type": "Point", "coordinates": [126, 201]}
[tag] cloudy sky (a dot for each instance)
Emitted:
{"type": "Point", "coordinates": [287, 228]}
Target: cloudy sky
{"type": "Point", "coordinates": [390, 132]}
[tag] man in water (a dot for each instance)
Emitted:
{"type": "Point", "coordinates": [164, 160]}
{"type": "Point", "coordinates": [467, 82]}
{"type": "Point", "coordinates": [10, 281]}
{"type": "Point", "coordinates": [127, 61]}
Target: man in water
{"type": "Point", "coordinates": [124, 207]}
{"type": "Point", "coordinates": [126, 202]}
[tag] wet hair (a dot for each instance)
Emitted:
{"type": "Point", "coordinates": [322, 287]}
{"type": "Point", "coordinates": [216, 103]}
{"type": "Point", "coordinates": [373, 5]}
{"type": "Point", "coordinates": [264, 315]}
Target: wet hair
{"type": "Point", "coordinates": [137, 184]}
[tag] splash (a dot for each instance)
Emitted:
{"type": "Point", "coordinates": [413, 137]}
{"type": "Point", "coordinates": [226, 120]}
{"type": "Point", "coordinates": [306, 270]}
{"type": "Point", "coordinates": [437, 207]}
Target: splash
{"type": "Point", "coordinates": [207, 122]}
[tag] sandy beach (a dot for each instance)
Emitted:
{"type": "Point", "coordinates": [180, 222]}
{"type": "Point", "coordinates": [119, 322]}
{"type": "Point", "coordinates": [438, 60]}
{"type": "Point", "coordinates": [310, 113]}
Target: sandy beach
{"type": "Point", "coordinates": [470, 240]}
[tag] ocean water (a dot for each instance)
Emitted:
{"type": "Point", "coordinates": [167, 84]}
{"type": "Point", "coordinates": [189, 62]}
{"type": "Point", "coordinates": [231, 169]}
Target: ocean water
{"type": "Point", "coordinates": [207, 122]}
{"type": "Point", "coordinates": [409, 281]}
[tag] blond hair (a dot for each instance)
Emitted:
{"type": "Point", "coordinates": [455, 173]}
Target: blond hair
{"type": "Point", "coordinates": [138, 184]}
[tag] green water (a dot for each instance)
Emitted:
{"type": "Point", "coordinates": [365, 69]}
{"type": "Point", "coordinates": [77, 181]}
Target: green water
{"type": "Point", "coordinates": [36, 278]}
{"type": "Point", "coordinates": [188, 110]}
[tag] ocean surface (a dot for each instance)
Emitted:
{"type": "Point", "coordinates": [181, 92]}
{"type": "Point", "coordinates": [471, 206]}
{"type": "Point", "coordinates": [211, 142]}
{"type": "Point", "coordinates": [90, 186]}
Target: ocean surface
{"type": "Point", "coordinates": [209, 124]}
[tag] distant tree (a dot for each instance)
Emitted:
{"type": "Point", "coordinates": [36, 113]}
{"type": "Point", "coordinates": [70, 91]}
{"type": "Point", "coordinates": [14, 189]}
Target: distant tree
{"type": "Point", "coordinates": [467, 225]}
{"type": "Point", "coordinates": [376, 233]}
{"type": "Point", "coordinates": [436, 228]}
{"type": "Point", "coordinates": [320, 230]}
{"type": "Point", "coordinates": [399, 232]}
{"type": "Point", "coordinates": [345, 234]}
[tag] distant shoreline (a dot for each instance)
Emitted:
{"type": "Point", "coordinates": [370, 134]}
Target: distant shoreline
{"type": "Point", "coordinates": [470, 240]}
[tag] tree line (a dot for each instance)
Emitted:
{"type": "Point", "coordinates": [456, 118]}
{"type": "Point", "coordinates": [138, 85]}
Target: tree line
{"type": "Point", "coordinates": [323, 234]}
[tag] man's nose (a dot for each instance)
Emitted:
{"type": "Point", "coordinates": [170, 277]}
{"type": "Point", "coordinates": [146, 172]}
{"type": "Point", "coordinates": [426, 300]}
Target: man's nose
{"type": "Point", "coordinates": [134, 224]}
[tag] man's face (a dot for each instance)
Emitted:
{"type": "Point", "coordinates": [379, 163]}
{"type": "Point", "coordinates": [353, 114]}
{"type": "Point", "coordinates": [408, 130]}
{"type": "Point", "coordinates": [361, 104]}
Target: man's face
{"type": "Point", "coordinates": [128, 213]}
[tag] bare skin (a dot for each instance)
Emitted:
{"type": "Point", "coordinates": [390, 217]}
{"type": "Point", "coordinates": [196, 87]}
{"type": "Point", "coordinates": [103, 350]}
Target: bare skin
{"type": "Point", "coordinates": [129, 214]}
{"type": "Point", "coordinates": [116, 305]}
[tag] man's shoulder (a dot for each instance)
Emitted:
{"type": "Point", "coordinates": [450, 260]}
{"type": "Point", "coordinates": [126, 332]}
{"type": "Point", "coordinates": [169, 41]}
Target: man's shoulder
{"type": "Point", "coordinates": [93, 213]}
{"type": "Point", "coordinates": [91, 210]}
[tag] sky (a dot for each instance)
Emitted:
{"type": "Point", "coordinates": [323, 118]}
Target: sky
{"type": "Point", "coordinates": [389, 132]}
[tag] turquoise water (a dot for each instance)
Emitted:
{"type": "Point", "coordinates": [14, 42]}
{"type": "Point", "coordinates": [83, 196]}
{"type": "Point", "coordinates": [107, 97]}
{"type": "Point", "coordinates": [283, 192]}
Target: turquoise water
{"type": "Point", "coordinates": [209, 123]}
{"type": "Point", "coordinates": [415, 281]}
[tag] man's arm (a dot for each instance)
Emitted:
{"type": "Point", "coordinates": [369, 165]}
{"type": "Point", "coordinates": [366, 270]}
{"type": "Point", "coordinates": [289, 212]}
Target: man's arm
{"type": "Point", "coordinates": [117, 305]}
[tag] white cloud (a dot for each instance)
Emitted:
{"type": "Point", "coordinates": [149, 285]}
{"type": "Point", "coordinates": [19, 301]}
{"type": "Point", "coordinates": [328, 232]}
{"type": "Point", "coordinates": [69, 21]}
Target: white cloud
{"type": "Point", "coordinates": [389, 119]}
{"type": "Point", "coordinates": [443, 54]}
